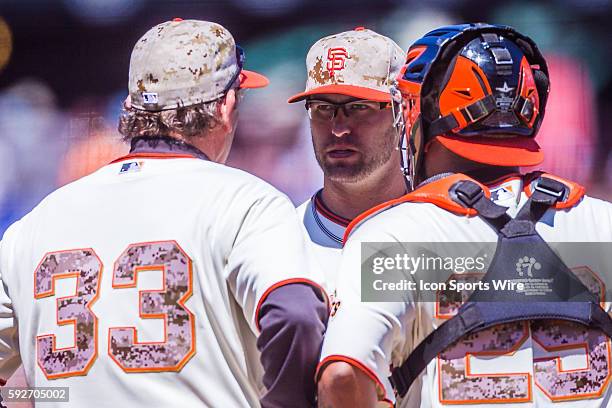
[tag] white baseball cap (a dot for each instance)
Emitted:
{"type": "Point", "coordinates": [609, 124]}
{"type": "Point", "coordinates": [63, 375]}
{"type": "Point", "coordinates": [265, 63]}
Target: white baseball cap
{"type": "Point", "coordinates": [359, 63]}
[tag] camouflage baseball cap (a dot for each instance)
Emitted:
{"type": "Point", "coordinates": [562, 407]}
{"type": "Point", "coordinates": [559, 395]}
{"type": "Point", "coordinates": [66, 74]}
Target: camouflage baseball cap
{"type": "Point", "coordinates": [359, 63]}
{"type": "Point", "coordinates": [185, 62]}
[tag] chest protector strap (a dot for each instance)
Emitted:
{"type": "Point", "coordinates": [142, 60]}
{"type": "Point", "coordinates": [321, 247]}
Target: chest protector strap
{"type": "Point", "coordinates": [567, 298]}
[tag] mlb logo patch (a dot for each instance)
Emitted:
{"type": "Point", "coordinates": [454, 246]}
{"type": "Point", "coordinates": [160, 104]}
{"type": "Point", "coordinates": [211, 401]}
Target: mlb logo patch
{"type": "Point", "coordinates": [149, 98]}
{"type": "Point", "coordinates": [502, 193]}
{"type": "Point", "coordinates": [131, 167]}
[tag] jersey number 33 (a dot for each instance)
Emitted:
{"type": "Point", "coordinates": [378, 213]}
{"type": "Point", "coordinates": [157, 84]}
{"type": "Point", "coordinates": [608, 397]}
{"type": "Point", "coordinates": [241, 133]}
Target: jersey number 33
{"type": "Point", "coordinates": [171, 354]}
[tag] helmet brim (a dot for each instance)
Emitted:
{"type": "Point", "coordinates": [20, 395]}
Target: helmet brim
{"type": "Point", "coordinates": [510, 152]}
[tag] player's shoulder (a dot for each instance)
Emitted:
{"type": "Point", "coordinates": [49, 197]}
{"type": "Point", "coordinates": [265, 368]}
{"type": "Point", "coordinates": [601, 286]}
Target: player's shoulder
{"type": "Point", "coordinates": [10, 232]}
{"type": "Point", "coordinates": [8, 240]}
{"type": "Point", "coordinates": [196, 172]}
{"type": "Point", "coordinates": [239, 179]}
{"type": "Point", "coordinates": [589, 210]}
{"type": "Point", "coordinates": [190, 176]}
{"type": "Point", "coordinates": [238, 191]}
{"type": "Point", "coordinates": [590, 213]}
{"type": "Point", "coordinates": [406, 221]}
{"type": "Point", "coordinates": [302, 208]}
{"type": "Point", "coordinates": [592, 204]}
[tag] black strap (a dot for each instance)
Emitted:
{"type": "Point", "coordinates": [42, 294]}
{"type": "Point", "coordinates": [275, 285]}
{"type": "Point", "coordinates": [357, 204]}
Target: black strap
{"type": "Point", "coordinates": [471, 195]}
{"type": "Point", "coordinates": [472, 113]}
{"type": "Point", "coordinates": [501, 55]}
{"type": "Point", "coordinates": [524, 109]}
{"type": "Point", "coordinates": [546, 193]}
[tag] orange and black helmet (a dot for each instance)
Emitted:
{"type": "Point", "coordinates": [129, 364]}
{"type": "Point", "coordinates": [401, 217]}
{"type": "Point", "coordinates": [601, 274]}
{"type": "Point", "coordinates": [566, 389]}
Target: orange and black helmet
{"type": "Point", "coordinates": [479, 89]}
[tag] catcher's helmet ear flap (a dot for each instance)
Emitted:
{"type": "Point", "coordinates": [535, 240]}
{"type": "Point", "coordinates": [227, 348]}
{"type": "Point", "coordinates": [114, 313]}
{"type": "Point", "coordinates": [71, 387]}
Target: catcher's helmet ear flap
{"type": "Point", "coordinates": [543, 84]}
{"type": "Point", "coordinates": [478, 80]}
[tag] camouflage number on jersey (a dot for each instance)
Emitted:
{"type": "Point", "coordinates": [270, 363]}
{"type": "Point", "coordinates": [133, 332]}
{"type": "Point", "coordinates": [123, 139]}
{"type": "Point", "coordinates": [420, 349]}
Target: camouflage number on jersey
{"type": "Point", "coordinates": [167, 304]}
{"type": "Point", "coordinates": [556, 338]}
{"type": "Point", "coordinates": [178, 347]}
{"type": "Point", "coordinates": [559, 383]}
{"type": "Point", "coordinates": [85, 266]}
{"type": "Point", "coordinates": [458, 385]}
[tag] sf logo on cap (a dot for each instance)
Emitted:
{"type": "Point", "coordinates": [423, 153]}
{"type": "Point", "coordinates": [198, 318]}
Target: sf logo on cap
{"type": "Point", "coordinates": [335, 59]}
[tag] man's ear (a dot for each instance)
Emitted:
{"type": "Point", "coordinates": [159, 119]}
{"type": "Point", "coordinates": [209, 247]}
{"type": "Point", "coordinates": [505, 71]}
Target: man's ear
{"type": "Point", "coordinates": [227, 105]}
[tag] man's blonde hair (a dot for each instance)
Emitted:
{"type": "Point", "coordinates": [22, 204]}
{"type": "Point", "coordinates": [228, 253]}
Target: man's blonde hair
{"type": "Point", "coordinates": [187, 121]}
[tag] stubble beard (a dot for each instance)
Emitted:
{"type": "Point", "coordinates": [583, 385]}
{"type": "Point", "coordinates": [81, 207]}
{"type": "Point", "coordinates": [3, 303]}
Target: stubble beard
{"type": "Point", "coordinates": [368, 162]}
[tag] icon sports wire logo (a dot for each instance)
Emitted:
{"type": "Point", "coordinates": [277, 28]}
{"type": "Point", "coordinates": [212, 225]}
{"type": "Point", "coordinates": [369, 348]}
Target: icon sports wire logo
{"type": "Point", "coordinates": [526, 265]}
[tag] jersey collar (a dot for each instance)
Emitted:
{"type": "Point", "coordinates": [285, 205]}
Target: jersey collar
{"type": "Point", "coordinates": [162, 147]}
{"type": "Point", "coordinates": [322, 209]}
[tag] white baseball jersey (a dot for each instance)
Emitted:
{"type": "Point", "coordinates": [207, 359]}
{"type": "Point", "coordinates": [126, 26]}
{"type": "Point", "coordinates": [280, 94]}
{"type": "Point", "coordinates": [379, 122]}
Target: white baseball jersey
{"type": "Point", "coordinates": [324, 231]}
{"type": "Point", "coordinates": [522, 364]}
{"type": "Point", "coordinates": [141, 284]}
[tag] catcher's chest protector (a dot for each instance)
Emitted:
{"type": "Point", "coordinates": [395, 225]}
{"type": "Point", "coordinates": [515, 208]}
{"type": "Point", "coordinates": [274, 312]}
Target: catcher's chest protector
{"type": "Point", "coordinates": [568, 300]}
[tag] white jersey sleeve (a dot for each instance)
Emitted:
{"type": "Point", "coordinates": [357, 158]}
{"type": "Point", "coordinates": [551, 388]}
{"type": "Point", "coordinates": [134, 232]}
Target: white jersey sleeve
{"type": "Point", "coordinates": [269, 251]}
{"type": "Point", "coordinates": [9, 335]}
{"type": "Point", "coordinates": [380, 325]}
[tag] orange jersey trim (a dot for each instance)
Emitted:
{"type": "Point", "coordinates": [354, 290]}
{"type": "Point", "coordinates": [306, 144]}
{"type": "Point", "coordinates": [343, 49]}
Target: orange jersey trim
{"type": "Point", "coordinates": [288, 282]}
{"type": "Point", "coordinates": [359, 365]}
{"type": "Point", "coordinates": [153, 156]}
{"type": "Point", "coordinates": [435, 193]}
{"type": "Point", "coordinates": [576, 191]}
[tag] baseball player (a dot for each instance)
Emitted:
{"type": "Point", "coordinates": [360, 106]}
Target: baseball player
{"type": "Point", "coordinates": [473, 97]}
{"type": "Point", "coordinates": [349, 108]}
{"type": "Point", "coordinates": [165, 278]}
